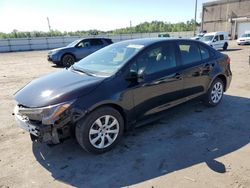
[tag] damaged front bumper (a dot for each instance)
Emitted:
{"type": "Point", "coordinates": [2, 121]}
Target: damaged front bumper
{"type": "Point", "coordinates": [50, 134]}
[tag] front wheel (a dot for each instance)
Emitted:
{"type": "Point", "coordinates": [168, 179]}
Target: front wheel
{"type": "Point", "coordinates": [68, 60]}
{"type": "Point", "coordinates": [215, 93]}
{"type": "Point", "coordinates": [100, 131]}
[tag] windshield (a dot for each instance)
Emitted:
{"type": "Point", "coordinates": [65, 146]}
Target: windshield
{"type": "Point", "coordinates": [72, 44]}
{"type": "Point", "coordinates": [245, 35]}
{"type": "Point", "coordinates": [207, 38]}
{"type": "Point", "coordinates": [108, 60]}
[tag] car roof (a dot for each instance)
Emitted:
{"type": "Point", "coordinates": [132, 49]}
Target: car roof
{"type": "Point", "coordinates": [218, 32]}
{"type": "Point", "coordinates": [149, 41]}
{"type": "Point", "coordinates": [96, 38]}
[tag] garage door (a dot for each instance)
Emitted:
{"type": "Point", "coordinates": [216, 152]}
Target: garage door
{"type": "Point", "coordinates": [243, 27]}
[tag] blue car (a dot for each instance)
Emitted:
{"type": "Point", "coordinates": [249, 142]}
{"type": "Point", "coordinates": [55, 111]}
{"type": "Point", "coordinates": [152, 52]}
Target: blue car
{"type": "Point", "coordinates": [77, 50]}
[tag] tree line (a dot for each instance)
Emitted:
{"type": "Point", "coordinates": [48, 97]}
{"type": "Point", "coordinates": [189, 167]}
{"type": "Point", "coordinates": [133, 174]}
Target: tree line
{"type": "Point", "coordinates": [146, 27]}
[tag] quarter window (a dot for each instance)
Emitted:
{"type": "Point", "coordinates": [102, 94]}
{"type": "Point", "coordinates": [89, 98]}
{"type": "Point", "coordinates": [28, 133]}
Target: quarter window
{"type": "Point", "coordinates": [190, 53]}
{"type": "Point", "coordinates": [204, 52]}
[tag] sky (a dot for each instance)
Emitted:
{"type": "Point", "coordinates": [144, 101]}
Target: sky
{"type": "Point", "coordinates": [72, 15]}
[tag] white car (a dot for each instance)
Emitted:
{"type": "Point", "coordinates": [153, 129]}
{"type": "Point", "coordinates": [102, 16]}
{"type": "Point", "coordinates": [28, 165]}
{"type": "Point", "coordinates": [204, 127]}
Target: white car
{"type": "Point", "coordinates": [198, 37]}
{"type": "Point", "coordinates": [244, 39]}
{"type": "Point", "coordinates": [217, 40]}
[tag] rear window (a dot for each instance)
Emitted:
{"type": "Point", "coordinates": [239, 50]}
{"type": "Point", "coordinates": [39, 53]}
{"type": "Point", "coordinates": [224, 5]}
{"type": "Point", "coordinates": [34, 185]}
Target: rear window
{"type": "Point", "coordinates": [96, 42]}
{"type": "Point", "coordinates": [109, 41]}
{"type": "Point", "coordinates": [190, 52]}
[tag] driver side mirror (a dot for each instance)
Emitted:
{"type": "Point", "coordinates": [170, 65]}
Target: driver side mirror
{"type": "Point", "coordinates": [136, 77]}
{"type": "Point", "coordinates": [215, 40]}
{"type": "Point", "coordinates": [133, 76]}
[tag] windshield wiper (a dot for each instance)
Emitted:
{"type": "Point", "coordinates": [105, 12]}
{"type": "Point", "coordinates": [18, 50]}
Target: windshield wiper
{"type": "Point", "coordinates": [82, 71]}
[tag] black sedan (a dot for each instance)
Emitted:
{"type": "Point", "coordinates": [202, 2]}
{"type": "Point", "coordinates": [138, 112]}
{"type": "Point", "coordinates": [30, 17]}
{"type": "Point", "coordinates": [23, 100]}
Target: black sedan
{"type": "Point", "coordinates": [118, 87]}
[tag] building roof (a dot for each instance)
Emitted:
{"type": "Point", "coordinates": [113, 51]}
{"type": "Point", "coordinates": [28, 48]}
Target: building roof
{"type": "Point", "coordinates": [220, 2]}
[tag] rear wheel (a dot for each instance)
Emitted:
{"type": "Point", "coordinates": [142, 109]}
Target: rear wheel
{"type": "Point", "coordinates": [215, 93]}
{"type": "Point", "coordinates": [225, 46]}
{"type": "Point", "coordinates": [68, 60]}
{"type": "Point", "coordinates": [100, 131]}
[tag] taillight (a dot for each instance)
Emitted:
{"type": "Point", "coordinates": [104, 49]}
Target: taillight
{"type": "Point", "coordinates": [228, 60]}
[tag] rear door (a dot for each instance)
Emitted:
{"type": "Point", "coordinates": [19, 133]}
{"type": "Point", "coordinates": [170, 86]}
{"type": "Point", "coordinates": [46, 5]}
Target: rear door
{"type": "Point", "coordinates": [196, 66]}
{"type": "Point", "coordinates": [96, 44]}
{"type": "Point", "coordinates": [221, 40]}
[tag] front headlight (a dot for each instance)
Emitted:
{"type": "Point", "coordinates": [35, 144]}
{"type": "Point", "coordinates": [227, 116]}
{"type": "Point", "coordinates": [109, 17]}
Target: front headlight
{"type": "Point", "coordinates": [52, 52]}
{"type": "Point", "coordinates": [48, 115]}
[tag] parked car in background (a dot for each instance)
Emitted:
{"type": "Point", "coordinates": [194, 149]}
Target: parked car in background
{"type": "Point", "coordinates": [198, 36]}
{"type": "Point", "coordinates": [244, 39]}
{"type": "Point", "coordinates": [77, 50]}
{"type": "Point", "coordinates": [164, 35]}
{"type": "Point", "coordinates": [120, 86]}
{"type": "Point", "coordinates": [217, 40]}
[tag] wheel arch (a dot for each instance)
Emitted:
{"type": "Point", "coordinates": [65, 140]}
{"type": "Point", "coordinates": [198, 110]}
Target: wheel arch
{"type": "Point", "coordinates": [223, 78]}
{"type": "Point", "coordinates": [67, 53]}
{"type": "Point", "coordinates": [116, 107]}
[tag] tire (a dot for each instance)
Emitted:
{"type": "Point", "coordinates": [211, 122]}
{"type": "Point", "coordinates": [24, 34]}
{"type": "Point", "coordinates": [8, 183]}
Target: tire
{"type": "Point", "coordinates": [215, 93]}
{"type": "Point", "coordinates": [225, 46]}
{"type": "Point", "coordinates": [104, 136]}
{"type": "Point", "coordinates": [68, 60]}
{"type": "Point", "coordinates": [33, 138]}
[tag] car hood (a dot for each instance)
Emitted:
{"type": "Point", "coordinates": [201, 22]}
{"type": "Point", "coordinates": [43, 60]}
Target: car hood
{"type": "Point", "coordinates": [243, 38]}
{"type": "Point", "coordinates": [62, 48]}
{"type": "Point", "coordinates": [56, 88]}
{"type": "Point", "coordinates": [207, 42]}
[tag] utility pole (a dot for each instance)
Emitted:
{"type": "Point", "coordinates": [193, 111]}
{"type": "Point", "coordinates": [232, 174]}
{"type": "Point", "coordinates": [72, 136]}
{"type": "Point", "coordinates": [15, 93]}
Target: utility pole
{"type": "Point", "coordinates": [202, 18]}
{"type": "Point", "coordinates": [48, 24]}
{"type": "Point", "coordinates": [130, 25]}
{"type": "Point", "coordinates": [195, 13]}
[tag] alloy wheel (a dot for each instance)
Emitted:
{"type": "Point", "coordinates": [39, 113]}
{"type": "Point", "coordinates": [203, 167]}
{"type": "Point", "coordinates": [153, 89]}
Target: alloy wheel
{"type": "Point", "coordinates": [217, 92]}
{"type": "Point", "coordinates": [104, 131]}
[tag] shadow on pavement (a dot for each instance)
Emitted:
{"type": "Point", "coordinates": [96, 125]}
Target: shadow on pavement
{"type": "Point", "coordinates": [190, 134]}
{"type": "Point", "coordinates": [57, 66]}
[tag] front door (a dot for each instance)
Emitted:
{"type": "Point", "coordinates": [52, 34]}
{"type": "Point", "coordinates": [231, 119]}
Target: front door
{"type": "Point", "coordinates": [83, 49]}
{"type": "Point", "coordinates": [159, 83]}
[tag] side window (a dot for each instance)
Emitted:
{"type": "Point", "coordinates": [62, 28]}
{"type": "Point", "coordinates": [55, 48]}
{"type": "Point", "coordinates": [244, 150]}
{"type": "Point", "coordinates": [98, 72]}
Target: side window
{"type": "Point", "coordinates": [157, 59]}
{"type": "Point", "coordinates": [84, 43]}
{"type": "Point", "coordinates": [216, 38]}
{"type": "Point", "coordinates": [204, 52]}
{"type": "Point", "coordinates": [96, 42]}
{"type": "Point", "coordinates": [221, 37]}
{"type": "Point", "coordinates": [190, 52]}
